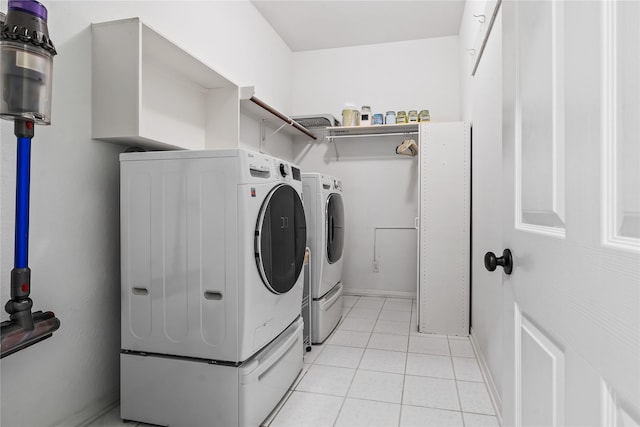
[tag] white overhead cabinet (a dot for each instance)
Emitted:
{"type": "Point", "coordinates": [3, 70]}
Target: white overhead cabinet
{"type": "Point", "coordinates": [149, 92]}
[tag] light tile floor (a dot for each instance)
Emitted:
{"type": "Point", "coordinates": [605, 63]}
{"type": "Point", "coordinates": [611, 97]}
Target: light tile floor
{"type": "Point", "coordinates": [377, 370]}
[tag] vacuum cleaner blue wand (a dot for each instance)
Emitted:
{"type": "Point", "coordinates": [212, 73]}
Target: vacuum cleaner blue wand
{"type": "Point", "coordinates": [24, 328]}
{"type": "Point", "coordinates": [25, 70]}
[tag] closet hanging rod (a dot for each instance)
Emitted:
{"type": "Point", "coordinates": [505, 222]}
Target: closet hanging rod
{"type": "Point", "coordinates": [282, 117]}
{"type": "Point", "coordinates": [364, 135]}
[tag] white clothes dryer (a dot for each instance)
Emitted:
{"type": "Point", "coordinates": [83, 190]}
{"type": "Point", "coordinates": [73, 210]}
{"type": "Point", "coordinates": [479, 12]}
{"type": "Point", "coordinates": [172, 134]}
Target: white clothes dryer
{"type": "Point", "coordinates": [325, 237]}
{"type": "Point", "coordinates": [213, 244]}
{"type": "Point", "coordinates": [212, 247]}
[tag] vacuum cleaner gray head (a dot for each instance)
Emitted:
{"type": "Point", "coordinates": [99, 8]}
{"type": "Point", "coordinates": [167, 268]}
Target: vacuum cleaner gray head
{"type": "Point", "coordinates": [16, 338]}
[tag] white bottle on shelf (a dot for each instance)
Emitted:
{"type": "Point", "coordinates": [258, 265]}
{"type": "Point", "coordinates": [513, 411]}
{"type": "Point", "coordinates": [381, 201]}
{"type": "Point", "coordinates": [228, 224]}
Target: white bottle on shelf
{"type": "Point", "coordinates": [365, 116]}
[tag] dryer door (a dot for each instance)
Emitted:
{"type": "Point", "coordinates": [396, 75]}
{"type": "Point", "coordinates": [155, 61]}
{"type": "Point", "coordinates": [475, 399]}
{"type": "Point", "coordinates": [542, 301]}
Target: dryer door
{"type": "Point", "coordinates": [281, 236]}
{"type": "Point", "coordinates": [335, 227]}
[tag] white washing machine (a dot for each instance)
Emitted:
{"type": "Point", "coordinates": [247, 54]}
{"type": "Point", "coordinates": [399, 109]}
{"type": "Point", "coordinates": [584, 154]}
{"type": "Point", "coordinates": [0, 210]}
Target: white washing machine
{"type": "Point", "coordinates": [213, 244]}
{"type": "Point", "coordinates": [325, 237]}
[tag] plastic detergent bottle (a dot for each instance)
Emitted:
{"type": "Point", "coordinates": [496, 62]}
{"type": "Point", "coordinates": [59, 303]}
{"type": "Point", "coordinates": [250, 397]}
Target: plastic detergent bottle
{"type": "Point", "coordinates": [365, 116]}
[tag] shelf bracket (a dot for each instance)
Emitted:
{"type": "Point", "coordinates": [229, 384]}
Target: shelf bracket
{"type": "Point", "coordinates": [263, 133]}
{"type": "Point", "coordinates": [335, 147]}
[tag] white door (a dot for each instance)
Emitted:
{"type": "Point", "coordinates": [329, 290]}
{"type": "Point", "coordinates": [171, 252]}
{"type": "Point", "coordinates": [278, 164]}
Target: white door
{"type": "Point", "coordinates": [571, 199]}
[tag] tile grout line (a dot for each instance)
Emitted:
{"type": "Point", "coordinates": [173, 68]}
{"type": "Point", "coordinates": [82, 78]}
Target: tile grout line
{"type": "Point", "coordinates": [290, 391]}
{"type": "Point", "coordinates": [327, 342]}
{"type": "Point", "coordinates": [279, 407]}
{"type": "Point", "coordinates": [450, 357]}
{"type": "Point", "coordinates": [406, 360]}
{"type": "Point", "coordinates": [358, 368]}
{"type": "Point", "coordinates": [455, 381]}
{"type": "Point", "coordinates": [344, 400]}
{"type": "Point", "coordinates": [374, 323]}
{"type": "Point", "coordinates": [392, 403]}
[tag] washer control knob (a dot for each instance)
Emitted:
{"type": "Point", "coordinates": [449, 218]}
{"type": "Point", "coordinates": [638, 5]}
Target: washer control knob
{"type": "Point", "coordinates": [284, 170]}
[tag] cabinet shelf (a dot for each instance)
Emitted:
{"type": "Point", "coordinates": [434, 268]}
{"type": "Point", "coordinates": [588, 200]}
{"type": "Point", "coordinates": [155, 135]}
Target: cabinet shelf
{"type": "Point", "coordinates": [149, 92]}
{"type": "Point", "coordinates": [402, 129]}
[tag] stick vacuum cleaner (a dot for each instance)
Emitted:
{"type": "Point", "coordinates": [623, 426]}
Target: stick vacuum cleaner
{"type": "Point", "coordinates": [26, 67]}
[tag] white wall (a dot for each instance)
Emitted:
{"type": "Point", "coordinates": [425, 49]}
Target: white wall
{"type": "Point", "coordinates": [468, 35]}
{"type": "Point", "coordinates": [411, 75]}
{"type": "Point", "coordinates": [74, 239]}
{"type": "Point", "coordinates": [380, 187]}
{"type": "Point", "coordinates": [482, 105]}
{"type": "Point", "coordinates": [275, 144]}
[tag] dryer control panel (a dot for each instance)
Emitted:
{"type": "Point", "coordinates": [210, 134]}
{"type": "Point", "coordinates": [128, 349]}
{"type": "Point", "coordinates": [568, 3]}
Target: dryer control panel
{"type": "Point", "coordinates": [264, 167]}
{"type": "Point", "coordinates": [295, 173]}
{"type": "Point", "coordinates": [329, 183]}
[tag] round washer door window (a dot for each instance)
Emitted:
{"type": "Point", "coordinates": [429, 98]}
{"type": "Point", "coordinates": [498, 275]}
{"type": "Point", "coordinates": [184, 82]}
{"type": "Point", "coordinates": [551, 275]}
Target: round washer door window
{"type": "Point", "coordinates": [281, 237]}
{"type": "Point", "coordinates": [335, 227]}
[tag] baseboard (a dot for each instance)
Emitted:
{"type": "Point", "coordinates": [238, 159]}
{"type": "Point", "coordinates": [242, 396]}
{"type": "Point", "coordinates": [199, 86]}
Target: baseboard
{"type": "Point", "coordinates": [92, 412]}
{"type": "Point", "coordinates": [488, 379]}
{"type": "Point", "coordinates": [378, 293]}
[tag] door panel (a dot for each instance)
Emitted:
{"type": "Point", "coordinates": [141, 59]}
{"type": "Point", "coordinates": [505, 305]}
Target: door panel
{"type": "Point", "coordinates": [539, 377]}
{"type": "Point", "coordinates": [572, 303]}
{"type": "Point", "coordinates": [540, 117]}
{"type": "Point", "coordinates": [621, 109]}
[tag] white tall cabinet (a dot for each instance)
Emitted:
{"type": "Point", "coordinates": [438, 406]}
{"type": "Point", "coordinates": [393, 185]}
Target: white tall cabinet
{"type": "Point", "coordinates": [444, 228]}
{"type": "Point", "coordinates": [443, 217]}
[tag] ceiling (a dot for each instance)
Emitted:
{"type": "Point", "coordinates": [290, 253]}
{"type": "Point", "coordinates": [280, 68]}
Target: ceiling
{"type": "Point", "coordinates": [311, 24]}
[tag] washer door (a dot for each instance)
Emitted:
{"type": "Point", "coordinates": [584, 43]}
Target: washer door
{"type": "Point", "coordinates": [335, 227]}
{"type": "Point", "coordinates": [281, 236]}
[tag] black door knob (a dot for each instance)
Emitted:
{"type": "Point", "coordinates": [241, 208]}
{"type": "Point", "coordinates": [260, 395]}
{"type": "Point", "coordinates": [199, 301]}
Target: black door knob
{"type": "Point", "coordinates": [505, 261]}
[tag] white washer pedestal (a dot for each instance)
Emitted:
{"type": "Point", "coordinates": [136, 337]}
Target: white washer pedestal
{"type": "Point", "coordinates": [163, 390]}
{"type": "Point", "coordinates": [326, 313]}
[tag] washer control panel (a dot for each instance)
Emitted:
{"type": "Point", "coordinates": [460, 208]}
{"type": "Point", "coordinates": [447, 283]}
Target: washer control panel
{"type": "Point", "coordinates": [287, 171]}
{"type": "Point", "coordinates": [284, 170]}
